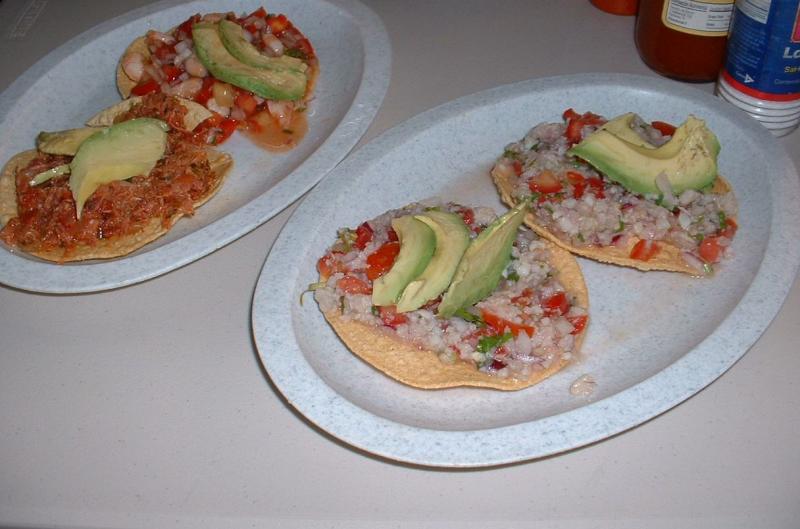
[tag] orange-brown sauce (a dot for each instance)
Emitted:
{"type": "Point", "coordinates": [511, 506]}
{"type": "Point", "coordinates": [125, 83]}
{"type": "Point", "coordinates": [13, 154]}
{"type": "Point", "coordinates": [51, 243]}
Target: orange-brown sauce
{"type": "Point", "coordinates": [266, 132]}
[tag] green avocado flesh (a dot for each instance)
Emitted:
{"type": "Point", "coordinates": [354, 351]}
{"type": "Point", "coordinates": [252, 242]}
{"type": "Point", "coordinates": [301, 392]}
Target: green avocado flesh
{"type": "Point", "coordinates": [482, 265]}
{"type": "Point", "coordinates": [234, 40]}
{"type": "Point", "coordinates": [270, 84]}
{"type": "Point", "coordinates": [688, 159]}
{"type": "Point", "coordinates": [417, 244]}
{"type": "Point", "coordinates": [64, 141]}
{"type": "Point", "coordinates": [621, 127]}
{"type": "Point", "coordinates": [120, 152]}
{"type": "Point", "coordinates": [452, 240]}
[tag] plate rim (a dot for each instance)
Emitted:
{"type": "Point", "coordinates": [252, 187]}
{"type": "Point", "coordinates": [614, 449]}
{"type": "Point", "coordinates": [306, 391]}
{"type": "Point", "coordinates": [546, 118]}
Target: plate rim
{"type": "Point", "coordinates": [767, 293]}
{"type": "Point", "coordinates": [22, 272]}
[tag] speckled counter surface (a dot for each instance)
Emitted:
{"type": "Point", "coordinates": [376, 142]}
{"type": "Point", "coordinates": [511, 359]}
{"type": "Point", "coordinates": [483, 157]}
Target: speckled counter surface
{"type": "Point", "coordinates": [147, 406]}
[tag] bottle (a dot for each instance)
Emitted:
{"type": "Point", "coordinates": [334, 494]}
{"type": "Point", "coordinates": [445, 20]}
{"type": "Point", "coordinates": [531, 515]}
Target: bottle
{"type": "Point", "coordinates": [683, 39]}
{"type": "Point", "coordinates": [617, 7]}
{"type": "Point", "coordinates": [762, 69]}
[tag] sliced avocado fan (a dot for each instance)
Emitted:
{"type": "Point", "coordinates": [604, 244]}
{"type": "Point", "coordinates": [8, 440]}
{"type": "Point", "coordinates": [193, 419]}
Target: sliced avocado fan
{"type": "Point", "coordinates": [482, 265]}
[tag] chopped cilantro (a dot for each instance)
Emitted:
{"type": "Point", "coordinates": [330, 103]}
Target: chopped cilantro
{"type": "Point", "coordinates": [699, 237]}
{"type": "Point", "coordinates": [620, 227]}
{"type": "Point", "coordinates": [375, 311]}
{"type": "Point", "coordinates": [708, 269]}
{"type": "Point", "coordinates": [723, 220]}
{"type": "Point", "coordinates": [487, 343]}
{"type": "Point", "coordinates": [549, 208]}
{"type": "Point", "coordinates": [535, 146]}
{"type": "Point", "coordinates": [512, 276]}
{"type": "Point", "coordinates": [512, 155]}
{"type": "Point", "coordinates": [580, 237]}
{"type": "Point", "coordinates": [466, 315]}
{"type": "Point", "coordinates": [535, 196]}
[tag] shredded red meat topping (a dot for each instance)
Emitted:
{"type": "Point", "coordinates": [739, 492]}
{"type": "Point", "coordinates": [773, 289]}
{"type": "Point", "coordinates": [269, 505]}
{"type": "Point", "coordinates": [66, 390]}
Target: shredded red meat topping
{"type": "Point", "coordinates": [47, 218]}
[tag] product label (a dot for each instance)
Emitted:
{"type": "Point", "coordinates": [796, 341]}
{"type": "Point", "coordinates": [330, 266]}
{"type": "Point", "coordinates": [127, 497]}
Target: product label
{"type": "Point", "coordinates": [709, 18]}
{"type": "Point", "coordinates": [764, 49]}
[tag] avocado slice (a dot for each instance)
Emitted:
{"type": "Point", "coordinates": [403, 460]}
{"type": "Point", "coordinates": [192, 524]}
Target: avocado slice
{"type": "Point", "coordinates": [452, 240]}
{"type": "Point", "coordinates": [269, 84]}
{"type": "Point", "coordinates": [233, 37]}
{"type": "Point", "coordinates": [417, 244]}
{"type": "Point", "coordinates": [688, 159]}
{"type": "Point", "coordinates": [621, 128]}
{"type": "Point", "coordinates": [483, 263]}
{"type": "Point", "coordinates": [120, 152]}
{"type": "Point", "coordinates": [64, 141]}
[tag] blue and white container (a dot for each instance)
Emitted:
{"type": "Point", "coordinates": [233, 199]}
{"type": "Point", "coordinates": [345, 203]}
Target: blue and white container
{"type": "Point", "coordinates": [761, 74]}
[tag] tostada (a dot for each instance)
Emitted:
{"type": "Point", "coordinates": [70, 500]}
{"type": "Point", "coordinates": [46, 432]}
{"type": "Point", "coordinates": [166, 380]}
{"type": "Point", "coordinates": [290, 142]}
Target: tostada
{"type": "Point", "coordinates": [624, 191]}
{"type": "Point", "coordinates": [444, 295]}
{"type": "Point", "coordinates": [106, 190]}
{"type": "Point", "coordinates": [256, 72]}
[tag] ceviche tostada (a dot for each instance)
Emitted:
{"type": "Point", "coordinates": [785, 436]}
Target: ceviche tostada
{"type": "Point", "coordinates": [624, 191]}
{"type": "Point", "coordinates": [256, 72]}
{"type": "Point", "coordinates": [445, 295]}
{"type": "Point", "coordinates": [105, 190]}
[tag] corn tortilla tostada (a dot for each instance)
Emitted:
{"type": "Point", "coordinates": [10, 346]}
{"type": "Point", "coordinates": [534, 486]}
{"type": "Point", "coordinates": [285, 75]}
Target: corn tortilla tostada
{"type": "Point", "coordinates": [506, 333]}
{"type": "Point", "coordinates": [680, 220]}
{"type": "Point", "coordinates": [256, 72]}
{"type": "Point", "coordinates": [49, 212]}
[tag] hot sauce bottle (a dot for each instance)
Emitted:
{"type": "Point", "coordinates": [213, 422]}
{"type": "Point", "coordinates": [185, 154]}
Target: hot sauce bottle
{"type": "Point", "coordinates": [683, 39]}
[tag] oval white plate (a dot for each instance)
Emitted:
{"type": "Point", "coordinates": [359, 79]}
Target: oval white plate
{"type": "Point", "coordinates": [654, 338]}
{"type": "Point", "coordinates": [354, 54]}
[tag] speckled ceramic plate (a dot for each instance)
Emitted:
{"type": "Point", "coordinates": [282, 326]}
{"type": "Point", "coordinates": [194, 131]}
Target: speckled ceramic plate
{"type": "Point", "coordinates": [354, 54]}
{"type": "Point", "coordinates": [654, 340]}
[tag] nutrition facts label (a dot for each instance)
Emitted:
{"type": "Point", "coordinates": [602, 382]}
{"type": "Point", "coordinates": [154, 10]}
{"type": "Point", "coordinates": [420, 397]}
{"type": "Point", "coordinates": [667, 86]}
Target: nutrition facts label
{"type": "Point", "coordinates": [708, 18]}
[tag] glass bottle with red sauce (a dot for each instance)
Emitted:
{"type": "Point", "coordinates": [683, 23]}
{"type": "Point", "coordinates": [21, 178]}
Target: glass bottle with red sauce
{"type": "Point", "coordinates": [683, 39]}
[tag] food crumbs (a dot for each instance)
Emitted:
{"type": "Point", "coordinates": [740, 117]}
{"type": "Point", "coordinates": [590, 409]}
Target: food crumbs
{"type": "Point", "coordinates": [583, 386]}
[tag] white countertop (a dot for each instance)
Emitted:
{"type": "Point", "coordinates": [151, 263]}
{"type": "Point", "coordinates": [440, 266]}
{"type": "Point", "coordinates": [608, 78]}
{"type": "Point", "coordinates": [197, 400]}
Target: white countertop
{"type": "Point", "coordinates": [147, 406]}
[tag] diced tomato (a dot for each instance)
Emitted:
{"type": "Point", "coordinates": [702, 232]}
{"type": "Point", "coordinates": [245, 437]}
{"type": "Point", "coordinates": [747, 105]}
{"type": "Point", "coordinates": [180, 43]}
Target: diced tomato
{"type": "Point", "coordinates": [556, 305]}
{"type": "Point", "coordinates": [597, 186]}
{"type": "Point", "coordinates": [148, 86]}
{"type": "Point", "coordinates": [575, 124]}
{"type": "Point", "coordinates": [392, 235]}
{"type": "Point", "coordinates": [186, 27]}
{"type": "Point", "coordinates": [663, 127]}
{"type": "Point", "coordinates": [710, 249]}
{"type": "Point", "coordinates": [545, 182]}
{"type": "Point", "coordinates": [260, 13]}
{"type": "Point", "coordinates": [468, 215]}
{"type": "Point", "coordinates": [363, 235]}
{"type": "Point", "coordinates": [516, 165]}
{"type": "Point", "coordinates": [277, 23]}
{"type": "Point", "coordinates": [206, 91]}
{"type": "Point", "coordinates": [644, 250]}
{"type": "Point", "coordinates": [730, 229]}
{"type": "Point", "coordinates": [501, 325]}
{"type": "Point", "coordinates": [164, 51]}
{"type": "Point", "coordinates": [578, 322]}
{"type": "Point", "coordinates": [172, 72]}
{"type": "Point", "coordinates": [381, 260]}
{"type": "Point", "coordinates": [227, 127]}
{"type": "Point", "coordinates": [246, 102]}
{"type": "Point", "coordinates": [390, 317]}
{"type": "Point", "coordinates": [573, 177]}
{"type": "Point", "coordinates": [353, 285]}
{"type": "Point", "coordinates": [328, 265]}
